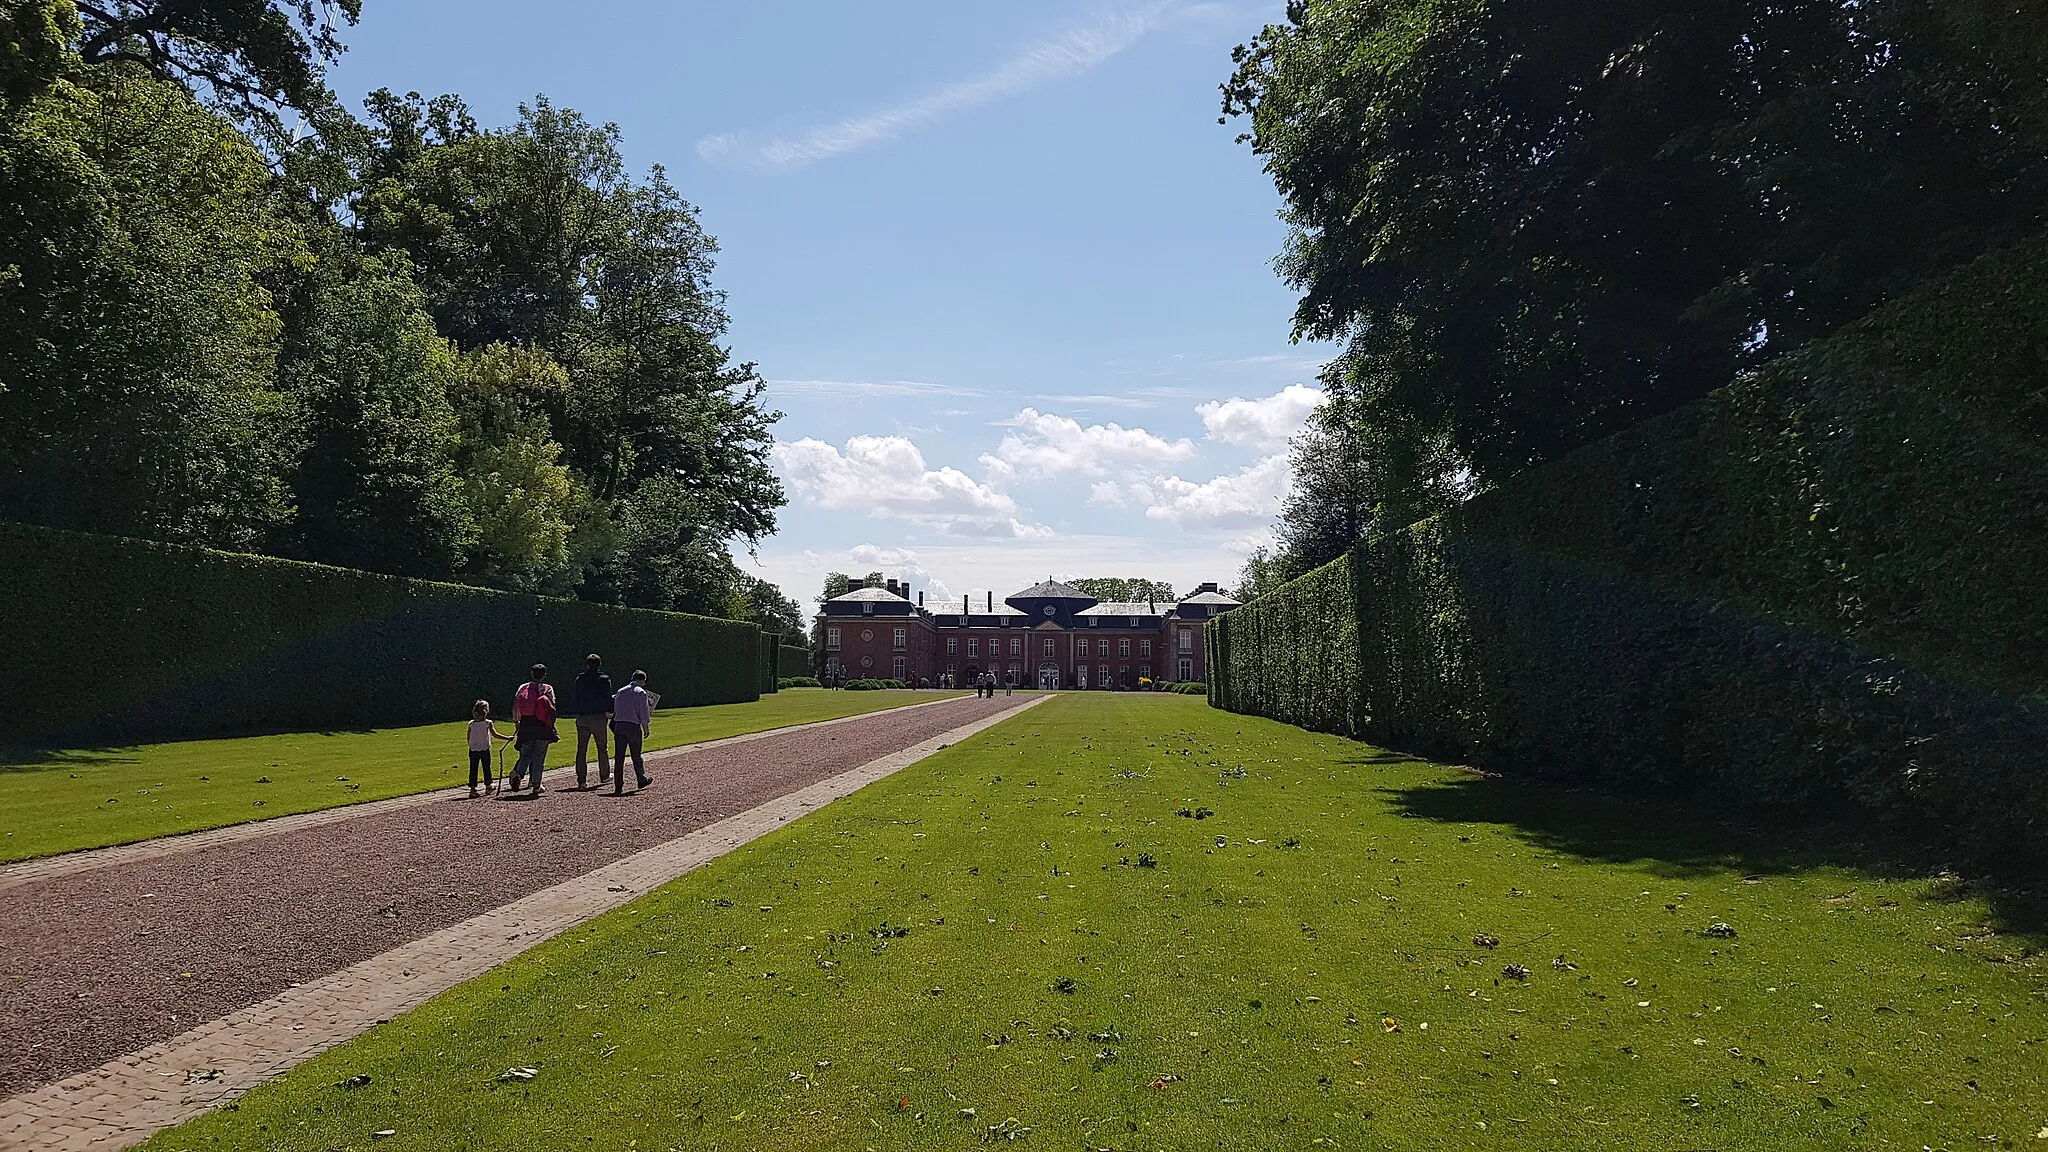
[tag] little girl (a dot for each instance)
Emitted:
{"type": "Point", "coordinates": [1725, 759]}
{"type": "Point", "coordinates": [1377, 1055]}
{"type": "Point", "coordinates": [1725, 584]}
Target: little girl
{"type": "Point", "coordinates": [481, 733]}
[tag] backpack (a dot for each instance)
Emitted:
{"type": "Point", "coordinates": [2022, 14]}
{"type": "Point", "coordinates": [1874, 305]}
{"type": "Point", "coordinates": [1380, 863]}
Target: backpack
{"type": "Point", "coordinates": [540, 705]}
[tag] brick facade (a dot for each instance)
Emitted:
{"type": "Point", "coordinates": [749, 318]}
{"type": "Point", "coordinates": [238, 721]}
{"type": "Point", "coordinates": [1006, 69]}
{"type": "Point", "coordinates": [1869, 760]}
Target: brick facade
{"type": "Point", "coordinates": [1049, 635]}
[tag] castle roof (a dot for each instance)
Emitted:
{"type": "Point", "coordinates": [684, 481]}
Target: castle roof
{"type": "Point", "coordinates": [1127, 608]}
{"type": "Point", "coordinates": [1051, 590]}
{"type": "Point", "coordinates": [879, 595]}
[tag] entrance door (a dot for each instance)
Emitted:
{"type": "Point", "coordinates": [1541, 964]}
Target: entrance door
{"type": "Point", "coordinates": [1049, 678]}
{"type": "Point", "coordinates": [1081, 676]}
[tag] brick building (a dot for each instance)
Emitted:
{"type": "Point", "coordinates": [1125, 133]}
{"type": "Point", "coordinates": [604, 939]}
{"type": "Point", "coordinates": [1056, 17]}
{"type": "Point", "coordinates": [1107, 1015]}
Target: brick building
{"type": "Point", "coordinates": [1049, 635]}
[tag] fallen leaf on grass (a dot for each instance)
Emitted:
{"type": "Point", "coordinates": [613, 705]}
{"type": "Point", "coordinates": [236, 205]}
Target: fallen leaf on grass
{"type": "Point", "coordinates": [510, 1075]}
{"type": "Point", "coordinates": [359, 1080]}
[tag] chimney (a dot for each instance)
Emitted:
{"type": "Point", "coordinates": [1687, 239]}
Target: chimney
{"type": "Point", "coordinates": [963, 606]}
{"type": "Point", "coordinates": [890, 585]}
{"type": "Point", "coordinates": [920, 599]}
{"type": "Point", "coordinates": [1209, 587]}
{"type": "Point", "coordinates": [991, 601]}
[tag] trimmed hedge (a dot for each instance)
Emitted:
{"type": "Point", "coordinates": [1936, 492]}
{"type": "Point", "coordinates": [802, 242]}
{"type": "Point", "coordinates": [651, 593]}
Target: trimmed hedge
{"type": "Point", "coordinates": [872, 685]}
{"type": "Point", "coordinates": [1825, 584]}
{"type": "Point", "coordinates": [1292, 654]}
{"type": "Point", "coordinates": [799, 682]}
{"type": "Point", "coordinates": [770, 658]}
{"type": "Point", "coordinates": [794, 660]}
{"type": "Point", "coordinates": [115, 641]}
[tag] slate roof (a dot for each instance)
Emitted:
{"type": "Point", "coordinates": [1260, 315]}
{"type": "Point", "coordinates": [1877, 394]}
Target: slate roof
{"type": "Point", "coordinates": [1127, 608]}
{"type": "Point", "coordinates": [879, 595]}
{"type": "Point", "coordinates": [1051, 590]}
{"type": "Point", "coordinates": [1212, 598]}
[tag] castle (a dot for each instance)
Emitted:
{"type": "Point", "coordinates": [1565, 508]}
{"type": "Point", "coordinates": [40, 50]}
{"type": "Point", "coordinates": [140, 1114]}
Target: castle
{"type": "Point", "coordinates": [1049, 636]}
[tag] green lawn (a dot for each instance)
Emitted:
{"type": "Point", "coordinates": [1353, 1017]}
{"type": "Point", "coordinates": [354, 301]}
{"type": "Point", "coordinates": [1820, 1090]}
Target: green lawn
{"type": "Point", "coordinates": [64, 801]}
{"type": "Point", "coordinates": [977, 946]}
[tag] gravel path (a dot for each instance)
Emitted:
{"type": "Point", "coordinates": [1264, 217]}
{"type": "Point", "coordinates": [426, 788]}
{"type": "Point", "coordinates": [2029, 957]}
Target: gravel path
{"type": "Point", "coordinates": [102, 963]}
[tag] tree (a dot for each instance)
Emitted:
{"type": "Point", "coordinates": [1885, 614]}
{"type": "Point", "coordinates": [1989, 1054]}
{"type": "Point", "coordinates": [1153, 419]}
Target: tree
{"type": "Point", "coordinates": [1537, 224]}
{"type": "Point", "coordinates": [1125, 591]}
{"type": "Point", "coordinates": [1260, 575]}
{"type": "Point", "coordinates": [248, 58]}
{"type": "Point", "coordinates": [376, 485]}
{"type": "Point", "coordinates": [537, 525]}
{"type": "Point", "coordinates": [535, 236]}
{"type": "Point", "coordinates": [137, 346]}
{"type": "Point", "coordinates": [767, 607]}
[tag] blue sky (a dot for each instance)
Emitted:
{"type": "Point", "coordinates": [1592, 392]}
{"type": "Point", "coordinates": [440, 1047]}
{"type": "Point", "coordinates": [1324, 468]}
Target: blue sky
{"type": "Point", "coordinates": [1009, 279]}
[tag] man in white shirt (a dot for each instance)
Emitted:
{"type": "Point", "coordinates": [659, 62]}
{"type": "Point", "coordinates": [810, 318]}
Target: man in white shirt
{"type": "Point", "coordinates": [632, 715]}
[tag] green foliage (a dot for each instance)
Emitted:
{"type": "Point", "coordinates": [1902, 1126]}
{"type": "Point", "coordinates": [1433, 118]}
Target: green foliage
{"type": "Point", "coordinates": [798, 682]}
{"type": "Point", "coordinates": [137, 347]}
{"type": "Point", "coordinates": [1292, 654]}
{"type": "Point", "coordinates": [136, 640]}
{"type": "Point", "coordinates": [793, 661]}
{"type": "Point", "coordinates": [376, 485]}
{"type": "Point", "coordinates": [872, 685]}
{"type": "Point", "coordinates": [1824, 584]}
{"type": "Point", "coordinates": [1188, 688]}
{"type": "Point", "coordinates": [1539, 224]}
{"type": "Point", "coordinates": [1124, 591]}
{"type": "Point", "coordinates": [250, 57]}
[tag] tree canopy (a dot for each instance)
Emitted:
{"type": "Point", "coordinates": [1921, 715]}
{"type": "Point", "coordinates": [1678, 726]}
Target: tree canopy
{"type": "Point", "coordinates": [1536, 224]}
{"type": "Point", "coordinates": [1124, 591]}
{"type": "Point", "coordinates": [415, 345]}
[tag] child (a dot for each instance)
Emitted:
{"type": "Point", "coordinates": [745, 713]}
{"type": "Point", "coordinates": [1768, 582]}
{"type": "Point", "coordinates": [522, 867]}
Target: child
{"type": "Point", "coordinates": [481, 733]}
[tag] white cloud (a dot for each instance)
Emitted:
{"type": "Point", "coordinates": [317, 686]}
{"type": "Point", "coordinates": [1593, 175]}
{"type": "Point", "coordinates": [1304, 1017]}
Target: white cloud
{"type": "Point", "coordinates": [1042, 446]}
{"type": "Point", "coordinates": [886, 476]}
{"type": "Point", "coordinates": [1071, 53]}
{"type": "Point", "coordinates": [1247, 499]}
{"type": "Point", "coordinates": [1265, 424]}
{"type": "Point", "coordinates": [901, 563]}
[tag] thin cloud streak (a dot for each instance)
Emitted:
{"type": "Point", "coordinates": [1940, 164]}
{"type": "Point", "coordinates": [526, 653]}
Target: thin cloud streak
{"type": "Point", "coordinates": [1070, 54]}
{"type": "Point", "coordinates": [867, 388]}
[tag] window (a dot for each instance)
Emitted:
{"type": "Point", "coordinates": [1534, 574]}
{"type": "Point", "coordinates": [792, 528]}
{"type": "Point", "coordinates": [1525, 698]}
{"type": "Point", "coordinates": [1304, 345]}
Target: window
{"type": "Point", "coordinates": [1016, 673]}
{"type": "Point", "coordinates": [1094, 620]}
{"type": "Point", "coordinates": [867, 661]}
{"type": "Point", "coordinates": [1187, 671]}
{"type": "Point", "coordinates": [867, 634]}
{"type": "Point", "coordinates": [1103, 676]}
{"type": "Point", "coordinates": [831, 639]}
{"type": "Point", "coordinates": [902, 640]}
{"type": "Point", "coordinates": [902, 668]}
{"type": "Point", "coordinates": [868, 607]}
{"type": "Point", "coordinates": [1145, 672]}
{"type": "Point", "coordinates": [1048, 645]}
{"type": "Point", "coordinates": [1134, 621]}
{"type": "Point", "coordinates": [1016, 645]}
{"type": "Point", "coordinates": [1123, 647]}
{"type": "Point", "coordinates": [1102, 648]}
{"type": "Point", "coordinates": [1144, 647]}
{"type": "Point", "coordinates": [1187, 639]}
{"type": "Point", "coordinates": [952, 645]}
{"type": "Point", "coordinates": [974, 647]}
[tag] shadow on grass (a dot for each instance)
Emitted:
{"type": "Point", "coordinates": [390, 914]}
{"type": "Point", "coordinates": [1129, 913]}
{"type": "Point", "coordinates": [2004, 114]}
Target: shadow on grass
{"type": "Point", "coordinates": [1685, 839]}
{"type": "Point", "coordinates": [16, 759]}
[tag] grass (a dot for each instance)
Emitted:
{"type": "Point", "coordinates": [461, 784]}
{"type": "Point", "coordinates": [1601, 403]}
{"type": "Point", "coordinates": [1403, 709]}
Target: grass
{"type": "Point", "coordinates": [977, 946]}
{"type": "Point", "coordinates": [67, 800]}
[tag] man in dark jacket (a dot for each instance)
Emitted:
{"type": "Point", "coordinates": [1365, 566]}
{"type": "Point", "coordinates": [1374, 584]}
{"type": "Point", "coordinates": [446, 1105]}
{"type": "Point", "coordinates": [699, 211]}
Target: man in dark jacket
{"type": "Point", "coordinates": [590, 701]}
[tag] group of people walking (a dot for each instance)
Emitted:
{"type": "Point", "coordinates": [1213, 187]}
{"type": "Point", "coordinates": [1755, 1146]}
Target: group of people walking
{"type": "Point", "coordinates": [612, 720]}
{"type": "Point", "coordinates": [985, 685]}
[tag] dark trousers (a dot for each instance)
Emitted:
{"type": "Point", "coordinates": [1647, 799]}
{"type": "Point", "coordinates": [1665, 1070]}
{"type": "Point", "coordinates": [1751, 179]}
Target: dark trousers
{"type": "Point", "coordinates": [590, 728]}
{"type": "Point", "coordinates": [626, 738]}
{"type": "Point", "coordinates": [479, 760]}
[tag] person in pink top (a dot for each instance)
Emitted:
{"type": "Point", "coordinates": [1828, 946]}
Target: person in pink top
{"type": "Point", "coordinates": [533, 718]}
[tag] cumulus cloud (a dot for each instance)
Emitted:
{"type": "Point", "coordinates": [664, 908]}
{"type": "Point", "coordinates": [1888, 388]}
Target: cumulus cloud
{"type": "Point", "coordinates": [886, 476]}
{"type": "Point", "coordinates": [1042, 446]}
{"type": "Point", "coordinates": [901, 563]}
{"type": "Point", "coordinates": [1076, 51]}
{"type": "Point", "coordinates": [1265, 424]}
{"type": "Point", "coordinates": [1246, 499]}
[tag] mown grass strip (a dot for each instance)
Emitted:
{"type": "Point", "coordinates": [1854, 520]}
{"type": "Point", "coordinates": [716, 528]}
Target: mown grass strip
{"type": "Point", "coordinates": [1024, 932]}
{"type": "Point", "coordinates": [69, 800]}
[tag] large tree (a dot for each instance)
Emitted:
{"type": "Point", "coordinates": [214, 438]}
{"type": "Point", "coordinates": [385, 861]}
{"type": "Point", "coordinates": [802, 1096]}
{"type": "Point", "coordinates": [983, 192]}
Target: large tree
{"type": "Point", "coordinates": [1539, 223]}
{"type": "Point", "coordinates": [137, 343]}
{"type": "Point", "coordinates": [1116, 589]}
{"type": "Point", "coordinates": [252, 59]}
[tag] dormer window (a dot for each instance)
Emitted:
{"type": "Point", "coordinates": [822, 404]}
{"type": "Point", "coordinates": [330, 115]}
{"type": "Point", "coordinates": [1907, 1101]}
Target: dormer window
{"type": "Point", "coordinates": [867, 607]}
{"type": "Point", "coordinates": [1134, 621]}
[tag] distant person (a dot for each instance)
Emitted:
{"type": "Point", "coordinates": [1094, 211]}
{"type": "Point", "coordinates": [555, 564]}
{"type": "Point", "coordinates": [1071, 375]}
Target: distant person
{"type": "Point", "coordinates": [533, 718]}
{"type": "Point", "coordinates": [1010, 684]}
{"type": "Point", "coordinates": [632, 715]}
{"type": "Point", "coordinates": [590, 701]}
{"type": "Point", "coordinates": [481, 733]}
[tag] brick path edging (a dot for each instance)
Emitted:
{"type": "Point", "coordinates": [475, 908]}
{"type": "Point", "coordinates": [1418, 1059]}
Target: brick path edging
{"type": "Point", "coordinates": [125, 1101]}
{"type": "Point", "coordinates": [87, 859]}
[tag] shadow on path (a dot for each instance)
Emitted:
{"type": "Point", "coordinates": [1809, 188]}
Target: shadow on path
{"type": "Point", "coordinates": [1684, 839]}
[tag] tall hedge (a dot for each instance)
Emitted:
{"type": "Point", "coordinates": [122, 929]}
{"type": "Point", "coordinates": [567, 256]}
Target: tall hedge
{"type": "Point", "coordinates": [1824, 584]}
{"type": "Point", "coordinates": [768, 660]}
{"type": "Point", "coordinates": [793, 660]}
{"type": "Point", "coordinates": [112, 640]}
{"type": "Point", "coordinates": [1292, 655]}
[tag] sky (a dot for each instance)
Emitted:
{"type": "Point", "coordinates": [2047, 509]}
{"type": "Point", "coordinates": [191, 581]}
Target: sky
{"type": "Point", "coordinates": [1009, 280]}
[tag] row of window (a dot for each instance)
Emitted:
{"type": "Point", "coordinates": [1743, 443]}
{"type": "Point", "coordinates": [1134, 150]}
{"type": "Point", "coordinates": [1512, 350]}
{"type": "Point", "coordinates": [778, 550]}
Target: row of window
{"type": "Point", "coordinates": [901, 641]}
